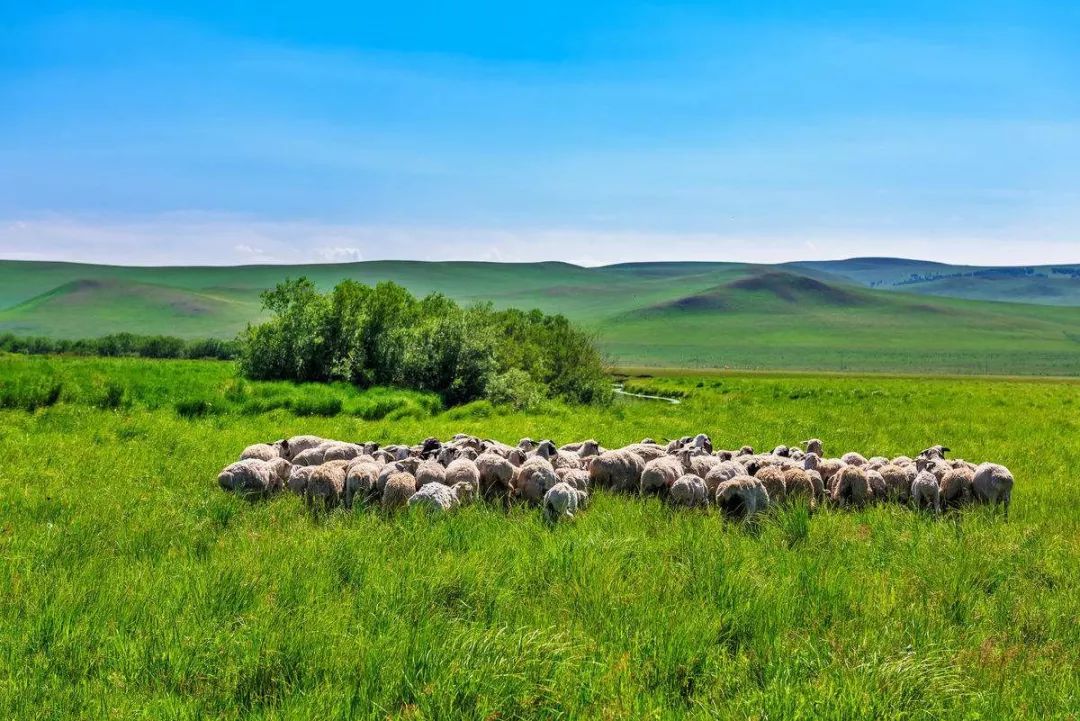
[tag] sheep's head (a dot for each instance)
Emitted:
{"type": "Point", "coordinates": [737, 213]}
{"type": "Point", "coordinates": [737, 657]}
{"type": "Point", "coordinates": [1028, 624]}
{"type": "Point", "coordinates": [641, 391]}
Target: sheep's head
{"type": "Point", "coordinates": [546, 449]}
{"type": "Point", "coordinates": [281, 468]}
{"type": "Point", "coordinates": [447, 454]}
{"type": "Point", "coordinates": [370, 447]}
{"type": "Point", "coordinates": [516, 457]}
{"type": "Point", "coordinates": [589, 448]}
{"type": "Point", "coordinates": [526, 444]}
{"type": "Point", "coordinates": [702, 440]}
{"type": "Point", "coordinates": [814, 445]}
{"type": "Point", "coordinates": [745, 451]}
{"type": "Point", "coordinates": [811, 461]}
{"type": "Point", "coordinates": [648, 441]}
{"type": "Point", "coordinates": [782, 451]}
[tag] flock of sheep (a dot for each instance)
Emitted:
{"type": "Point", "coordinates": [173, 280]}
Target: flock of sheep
{"type": "Point", "coordinates": [687, 472]}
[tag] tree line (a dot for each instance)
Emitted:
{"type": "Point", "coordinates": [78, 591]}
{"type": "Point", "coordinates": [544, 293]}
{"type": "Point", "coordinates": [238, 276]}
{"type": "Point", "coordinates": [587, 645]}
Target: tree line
{"type": "Point", "coordinates": [123, 344]}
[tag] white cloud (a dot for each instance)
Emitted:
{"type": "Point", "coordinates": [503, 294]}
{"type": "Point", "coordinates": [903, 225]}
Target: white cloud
{"type": "Point", "coordinates": [340, 255]}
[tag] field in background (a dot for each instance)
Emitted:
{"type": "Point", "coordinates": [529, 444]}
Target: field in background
{"type": "Point", "coordinates": [797, 317]}
{"type": "Point", "coordinates": [126, 568]}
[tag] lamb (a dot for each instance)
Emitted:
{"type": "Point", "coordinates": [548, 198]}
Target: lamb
{"type": "Point", "coordinates": [659, 474]}
{"type": "Point", "coordinates": [688, 490]}
{"type": "Point", "coordinates": [618, 470]}
{"type": "Point", "coordinates": [253, 477]}
{"type": "Point", "coordinates": [496, 476]}
{"type": "Point", "coordinates": [993, 483]}
{"type": "Point", "coordinates": [533, 480]}
{"type": "Point", "coordinates": [463, 471]}
{"type": "Point", "coordinates": [773, 479]}
{"type": "Point", "coordinates": [265, 451]}
{"type": "Point", "coordinates": [361, 483]}
{"type": "Point", "coordinates": [925, 491]}
{"type": "Point", "coordinates": [430, 472]}
{"type": "Point", "coordinates": [326, 485]}
{"type": "Point", "coordinates": [742, 497]}
{"type": "Point", "coordinates": [562, 501]}
{"type": "Point", "coordinates": [851, 487]}
{"type": "Point", "coordinates": [434, 497]}
{"type": "Point", "coordinates": [956, 486]}
{"type": "Point", "coordinates": [399, 488]}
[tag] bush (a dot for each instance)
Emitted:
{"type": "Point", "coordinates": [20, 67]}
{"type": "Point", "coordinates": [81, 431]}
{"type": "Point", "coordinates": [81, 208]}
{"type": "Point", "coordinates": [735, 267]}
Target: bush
{"type": "Point", "coordinates": [30, 397]}
{"type": "Point", "coordinates": [113, 397]}
{"type": "Point", "coordinates": [383, 335]}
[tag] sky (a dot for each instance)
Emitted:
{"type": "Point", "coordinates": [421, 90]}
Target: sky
{"type": "Point", "coordinates": [210, 132]}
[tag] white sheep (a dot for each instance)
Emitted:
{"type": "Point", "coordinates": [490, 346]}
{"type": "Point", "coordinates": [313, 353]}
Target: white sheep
{"type": "Point", "coordinates": [925, 491]}
{"type": "Point", "coordinates": [993, 483]}
{"type": "Point", "coordinates": [253, 477]}
{"type": "Point", "coordinates": [562, 501]}
{"type": "Point", "coordinates": [688, 490]}
{"type": "Point", "coordinates": [618, 470]}
{"type": "Point", "coordinates": [659, 474]}
{"type": "Point", "coordinates": [533, 480]}
{"type": "Point", "coordinates": [264, 451]}
{"type": "Point", "coordinates": [361, 483]}
{"type": "Point", "coordinates": [742, 497]}
{"type": "Point", "coordinates": [434, 497]}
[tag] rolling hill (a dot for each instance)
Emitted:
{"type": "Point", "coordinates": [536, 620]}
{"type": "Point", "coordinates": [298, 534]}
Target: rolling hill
{"type": "Point", "coordinates": [814, 316]}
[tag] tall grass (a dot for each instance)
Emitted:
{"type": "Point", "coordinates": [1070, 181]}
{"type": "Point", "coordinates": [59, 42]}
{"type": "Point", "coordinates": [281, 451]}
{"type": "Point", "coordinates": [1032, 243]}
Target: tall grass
{"type": "Point", "coordinates": [132, 587]}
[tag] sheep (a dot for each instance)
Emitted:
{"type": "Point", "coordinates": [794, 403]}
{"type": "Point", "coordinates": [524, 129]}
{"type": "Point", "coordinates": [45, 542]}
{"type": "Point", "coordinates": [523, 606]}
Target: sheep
{"type": "Point", "coordinates": [463, 471]}
{"type": "Point", "coordinates": [817, 482]}
{"type": "Point", "coordinates": [434, 497]}
{"type": "Point", "coordinates": [308, 457]}
{"type": "Point", "coordinates": [447, 454]}
{"type": "Point", "coordinates": [851, 487]}
{"type": "Point", "coordinates": [925, 491]}
{"type": "Point", "coordinates": [742, 497]}
{"type": "Point", "coordinates": [561, 502]}
{"type": "Point", "coordinates": [527, 444]}
{"type": "Point", "coordinates": [956, 486]}
{"type": "Point", "coordinates": [935, 452]}
{"type": "Point", "coordinates": [688, 490]}
{"type": "Point", "coordinates": [558, 459]}
{"type": "Point", "coordinates": [879, 490]}
{"type": "Point", "coordinates": [797, 484]}
{"type": "Point", "coordinates": [897, 483]}
{"type": "Point", "coordinates": [430, 472]}
{"type": "Point", "coordinates": [645, 451]}
{"type": "Point", "coordinates": [326, 485]}
{"type": "Point", "coordinates": [576, 477]}
{"type": "Point", "coordinates": [517, 457]}
{"type": "Point", "coordinates": [399, 488]}
{"type": "Point", "coordinates": [253, 477]}
{"type": "Point", "coordinates": [814, 446]}
{"type": "Point", "coordinates": [361, 483]}
{"type": "Point", "coordinates": [993, 483]}
{"type": "Point", "coordinates": [659, 474]}
{"type": "Point", "coordinates": [722, 471]}
{"type": "Point", "coordinates": [265, 451]}
{"type": "Point", "coordinates": [853, 459]}
{"type": "Point", "coordinates": [782, 451]}
{"type": "Point", "coordinates": [589, 448]}
{"type": "Point", "coordinates": [390, 469]}
{"type": "Point", "coordinates": [773, 479]}
{"type": "Point", "coordinates": [338, 451]}
{"type": "Point", "coordinates": [702, 440]}
{"type": "Point", "coordinates": [298, 479]}
{"type": "Point", "coordinates": [618, 470]}
{"type": "Point", "coordinates": [826, 467]}
{"type": "Point", "coordinates": [533, 480]}
{"type": "Point", "coordinates": [697, 461]}
{"type": "Point", "coordinates": [298, 444]}
{"type": "Point", "coordinates": [496, 476]}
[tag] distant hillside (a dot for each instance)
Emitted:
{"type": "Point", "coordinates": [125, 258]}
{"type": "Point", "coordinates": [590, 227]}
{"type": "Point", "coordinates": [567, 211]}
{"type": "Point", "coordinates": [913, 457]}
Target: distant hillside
{"type": "Point", "coordinates": [829, 315]}
{"type": "Point", "coordinates": [1042, 284]}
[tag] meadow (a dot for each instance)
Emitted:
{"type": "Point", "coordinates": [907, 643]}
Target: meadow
{"type": "Point", "coordinates": [132, 587]}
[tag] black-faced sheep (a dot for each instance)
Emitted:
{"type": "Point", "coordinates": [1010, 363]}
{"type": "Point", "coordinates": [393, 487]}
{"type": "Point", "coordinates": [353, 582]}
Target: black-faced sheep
{"type": "Point", "coordinates": [618, 470]}
{"type": "Point", "coordinates": [742, 497]}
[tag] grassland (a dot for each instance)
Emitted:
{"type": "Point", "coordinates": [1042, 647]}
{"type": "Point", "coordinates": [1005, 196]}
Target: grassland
{"type": "Point", "coordinates": [665, 314]}
{"type": "Point", "coordinates": [132, 587]}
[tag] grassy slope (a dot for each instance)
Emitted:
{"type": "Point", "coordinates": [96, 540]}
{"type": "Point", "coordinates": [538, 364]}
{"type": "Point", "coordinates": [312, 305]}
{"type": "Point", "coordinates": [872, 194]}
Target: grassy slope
{"type": "Point", "coordinates": [683, 314]}
{"type": "Point", "coordinates": [133, 587]}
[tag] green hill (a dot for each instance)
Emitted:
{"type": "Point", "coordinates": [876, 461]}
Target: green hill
{"type": "Point", "coordinates": [807, 316]}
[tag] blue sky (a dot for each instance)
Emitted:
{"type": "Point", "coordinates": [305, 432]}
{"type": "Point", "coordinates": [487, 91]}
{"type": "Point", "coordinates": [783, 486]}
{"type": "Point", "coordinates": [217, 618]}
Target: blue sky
{"type": "Point", "coordinates": [209, 132]}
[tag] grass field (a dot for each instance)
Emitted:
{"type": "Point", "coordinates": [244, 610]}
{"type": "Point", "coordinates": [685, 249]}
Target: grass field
{"type": "Point", "coordinates": [132, 587]}
{"type": "Point", "coordinates": [663, 314]}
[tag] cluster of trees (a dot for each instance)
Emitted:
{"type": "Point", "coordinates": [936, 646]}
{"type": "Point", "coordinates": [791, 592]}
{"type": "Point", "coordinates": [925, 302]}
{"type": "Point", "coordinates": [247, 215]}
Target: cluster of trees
{"type": "Point", "coordinates": [124, 344]}
{"type": "Point", "coordinates": [383, 335]}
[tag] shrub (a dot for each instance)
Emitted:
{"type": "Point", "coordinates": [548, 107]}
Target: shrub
{"type": "Point", "coordinates": [113, 397]}
{"type": "Point", "coordinates": [30, 397]}
{"type": "Point", "coordinates": [515, 388]}
{"type": "Point", "coordinates": [316, 406]}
